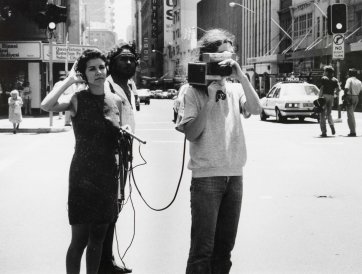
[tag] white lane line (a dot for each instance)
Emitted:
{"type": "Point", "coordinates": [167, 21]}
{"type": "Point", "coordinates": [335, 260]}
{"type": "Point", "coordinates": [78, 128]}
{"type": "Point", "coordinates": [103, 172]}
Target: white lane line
{"type": "Point", "coordinates": [322, 143]}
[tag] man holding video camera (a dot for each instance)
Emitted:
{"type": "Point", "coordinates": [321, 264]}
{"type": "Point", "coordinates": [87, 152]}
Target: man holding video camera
{"type": "Point", "coordinates": [212, 124]}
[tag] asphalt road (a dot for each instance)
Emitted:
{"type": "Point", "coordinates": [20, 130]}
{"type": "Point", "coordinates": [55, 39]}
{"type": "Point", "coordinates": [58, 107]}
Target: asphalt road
{"type": "Point", "coordinates": [301, 207]}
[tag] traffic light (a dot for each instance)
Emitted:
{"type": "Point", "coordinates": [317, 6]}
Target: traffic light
{"type": "Point", "coordinates": [6, 12]}
{"type": "Point", "coordinates": [53, 14]}
{"type": "Point", "coordinates": [337, 18]}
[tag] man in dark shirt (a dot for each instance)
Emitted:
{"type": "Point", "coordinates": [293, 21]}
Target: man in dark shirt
{"type": "Point", "coordinates": [328, 89]}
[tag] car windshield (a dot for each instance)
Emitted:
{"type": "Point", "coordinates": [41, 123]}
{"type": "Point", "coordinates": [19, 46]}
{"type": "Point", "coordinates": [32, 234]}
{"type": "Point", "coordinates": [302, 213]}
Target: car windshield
{"type": "Point", "coordinates": [298, 90]}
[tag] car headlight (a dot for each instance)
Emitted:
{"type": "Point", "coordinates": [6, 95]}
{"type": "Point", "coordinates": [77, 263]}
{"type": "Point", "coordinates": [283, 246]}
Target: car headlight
{"type": "Point", "coordinates": [291, 105]}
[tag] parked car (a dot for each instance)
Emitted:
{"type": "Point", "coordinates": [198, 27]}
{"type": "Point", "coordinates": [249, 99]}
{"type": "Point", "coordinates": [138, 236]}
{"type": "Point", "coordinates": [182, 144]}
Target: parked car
{"type": "Point", "coordinates": [157, 93]}
{"type": "Point", "coordinates": [290, 99]}
{"type": "Point", "coordinates": [171, 93]}
{"type": "Point", "coordinates": [144, 95]}
{"type": "Point", "coordinates": [164, 95]}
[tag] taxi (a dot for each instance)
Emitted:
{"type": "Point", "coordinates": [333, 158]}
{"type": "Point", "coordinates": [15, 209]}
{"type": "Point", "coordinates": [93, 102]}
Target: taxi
{"type": "Point", "coordinates": [290, 99]}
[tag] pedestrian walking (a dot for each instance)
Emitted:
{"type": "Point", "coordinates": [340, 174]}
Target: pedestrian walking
{"type": "Point", "coordinates": [92, 198]}
{"type": "Point", "coordinates": [15, 102]}
{"type": "Point", "coordinates": [26, 95]}
{"type": "Point", "coordinates": [328, 89]}
{"type": "Point", "coordinates": [211, 121]}
{"type": "Point", "coordinates": [352, 90]}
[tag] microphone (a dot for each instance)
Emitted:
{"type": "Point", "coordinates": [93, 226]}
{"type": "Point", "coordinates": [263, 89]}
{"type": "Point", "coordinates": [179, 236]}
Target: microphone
{"type": "Point", "coordinates": [125, 131]}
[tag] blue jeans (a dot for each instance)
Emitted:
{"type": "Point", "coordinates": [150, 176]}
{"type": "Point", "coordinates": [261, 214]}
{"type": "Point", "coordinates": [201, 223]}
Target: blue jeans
{"type": "Point", "coordinates": [327, 113]}
{"type": "Point", "coordinates": [215, 210]}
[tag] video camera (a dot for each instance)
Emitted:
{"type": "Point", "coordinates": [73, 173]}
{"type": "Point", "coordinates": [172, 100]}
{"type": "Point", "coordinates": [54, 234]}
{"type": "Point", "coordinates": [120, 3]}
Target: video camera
{"type": "Point", "coordinates": [209, 69]}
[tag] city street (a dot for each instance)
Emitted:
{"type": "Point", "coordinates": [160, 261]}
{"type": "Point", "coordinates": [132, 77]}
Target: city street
{"type": "Point", "coordinates": [301, 205]}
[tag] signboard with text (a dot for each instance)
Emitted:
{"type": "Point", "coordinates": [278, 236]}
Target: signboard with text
{"type": "Point", "coordinates": [60, 52]}
{"type": "Point", "coordinates": [154, 21]}
{"type": "Point", "coordinates": [338, 46]}
{"type": "Point", "coordinates": [20, 50]}
{"type": "Point", "coordinates": [168, 22]}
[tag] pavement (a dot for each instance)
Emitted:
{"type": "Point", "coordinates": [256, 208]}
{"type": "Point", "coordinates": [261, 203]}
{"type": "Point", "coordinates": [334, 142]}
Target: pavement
{"type": "Point", "coordinates": [35, 124]}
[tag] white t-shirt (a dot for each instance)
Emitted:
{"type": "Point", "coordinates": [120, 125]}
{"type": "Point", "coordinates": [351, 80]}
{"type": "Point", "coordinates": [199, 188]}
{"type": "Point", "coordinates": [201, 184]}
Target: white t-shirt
{"type": "Point", "coordinates": [128, 110]}
{"type": "Point", "coordinates": [354, 85]}
{"type": "Point", "coordinates": [220, 150]}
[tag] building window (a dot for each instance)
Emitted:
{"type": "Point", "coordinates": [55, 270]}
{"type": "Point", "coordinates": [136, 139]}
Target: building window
{"type": "Point", "coordinates": [324, 26]}
{"type": "Point", "coordinates": [309, 21]}
{"type": "Point", "coordinates": [318, 26]}
{"type": "Point", "coordinates": [296, 27]}
{"type": "Point", "coordinates": [302, 24]}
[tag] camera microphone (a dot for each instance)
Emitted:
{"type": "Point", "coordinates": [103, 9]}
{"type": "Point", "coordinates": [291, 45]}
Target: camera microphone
{"type": "Point", "coordinates": [124, 131]}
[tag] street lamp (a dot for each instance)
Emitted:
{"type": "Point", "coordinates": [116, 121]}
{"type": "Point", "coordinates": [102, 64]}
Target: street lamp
{"type": "Point", "coordinates": [199, 29]}
{"type": "Point", "coordinates": [157, 51]}
{"type": "Point", "coordinates": [233, 4]}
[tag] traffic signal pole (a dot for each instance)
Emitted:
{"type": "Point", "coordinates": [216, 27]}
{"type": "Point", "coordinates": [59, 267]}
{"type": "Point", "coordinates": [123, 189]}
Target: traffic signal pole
{"type": "Point", "coordinates": [51, 72]}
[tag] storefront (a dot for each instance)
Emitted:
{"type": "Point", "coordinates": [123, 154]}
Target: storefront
{"type": "Point", "coordinates": [19, 62]}
{"type": "Point", "coordinates": [28, 61]}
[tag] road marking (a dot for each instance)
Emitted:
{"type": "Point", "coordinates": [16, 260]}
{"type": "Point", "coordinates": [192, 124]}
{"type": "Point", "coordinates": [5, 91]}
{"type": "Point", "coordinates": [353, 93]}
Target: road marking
{"type": "Point", "coordinates": [157, 129]}
{"type": "Point", "coordinates": [322, 143]}
{"type": "Point", "coordinates": [172, 142]}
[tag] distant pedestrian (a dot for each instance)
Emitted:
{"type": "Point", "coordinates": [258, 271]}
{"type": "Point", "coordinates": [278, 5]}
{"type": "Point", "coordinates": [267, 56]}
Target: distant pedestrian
{"type": "Point", "coordinates": [15, 103]}
{"type": "Point", "coordinates": [26, 95]}
{"type": "Point", "coordinates": [329, 87]}
{"type": "Point", "coordinates": [352, 90]}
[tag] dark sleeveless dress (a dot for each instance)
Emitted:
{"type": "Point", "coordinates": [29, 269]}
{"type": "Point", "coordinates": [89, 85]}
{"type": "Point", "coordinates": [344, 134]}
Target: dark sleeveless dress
{"type": "Point", "coordinates": [92, 197]}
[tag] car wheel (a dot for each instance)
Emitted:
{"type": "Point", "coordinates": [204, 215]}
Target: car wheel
{"type": "Point", "coordinates": [301, 119]}
{"type": "Point", "coordinates": [278, 116]}
{"type": "Point", "coordinates": [263, 116]}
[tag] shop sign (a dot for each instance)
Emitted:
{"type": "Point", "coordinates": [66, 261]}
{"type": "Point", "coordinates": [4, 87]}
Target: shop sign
{"type": "Point", "coordinates": [20, 50]}
{"type": "Point", "coordinates": [168, 21]}
{"type": "Point", "coordinates": [154, 21]}
{"type": "Point", "coordinates": [60, 52]}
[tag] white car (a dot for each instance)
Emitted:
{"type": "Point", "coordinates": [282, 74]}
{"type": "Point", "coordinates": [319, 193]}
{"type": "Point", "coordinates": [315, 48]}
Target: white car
{"type": "Point", "coordinates": [144, 95]}
{"type": "Point", "coordinates": [290, 99]}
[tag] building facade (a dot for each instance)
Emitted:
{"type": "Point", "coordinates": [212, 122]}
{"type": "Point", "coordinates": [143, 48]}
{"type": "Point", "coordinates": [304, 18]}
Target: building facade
{"type": "Point", "coordinates": [25, 48]}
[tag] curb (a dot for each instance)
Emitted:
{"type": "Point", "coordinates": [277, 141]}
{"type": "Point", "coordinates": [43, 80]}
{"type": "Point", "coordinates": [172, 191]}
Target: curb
{"type": "Point", "coordinates": [37, 130]}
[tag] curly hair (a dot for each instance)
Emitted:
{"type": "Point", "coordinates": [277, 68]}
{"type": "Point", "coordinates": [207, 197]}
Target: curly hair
{"type": "Point", "coordinates": [113, 53]}
{"type": "Point", "coordinates": [212, 39]}
{"type": "Point", "coordinates": [87, 55]}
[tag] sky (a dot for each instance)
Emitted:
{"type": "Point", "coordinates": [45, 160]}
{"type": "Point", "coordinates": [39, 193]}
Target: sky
{"type": "Point", "coordinates": [123, 11]}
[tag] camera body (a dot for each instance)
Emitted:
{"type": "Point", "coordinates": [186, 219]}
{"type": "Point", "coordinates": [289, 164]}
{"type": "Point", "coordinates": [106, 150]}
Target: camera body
{"type": "Point", "coordinates": [209, 69]}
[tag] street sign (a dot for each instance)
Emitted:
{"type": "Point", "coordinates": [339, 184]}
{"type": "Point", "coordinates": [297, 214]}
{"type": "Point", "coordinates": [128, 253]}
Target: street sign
{"type": "Point", "coordinates": [338, 46]}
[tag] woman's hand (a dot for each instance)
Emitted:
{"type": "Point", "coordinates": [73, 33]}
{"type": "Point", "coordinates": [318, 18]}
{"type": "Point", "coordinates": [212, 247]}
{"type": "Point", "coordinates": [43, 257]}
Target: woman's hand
{"type": "Point", "coordinates": [75, 77]}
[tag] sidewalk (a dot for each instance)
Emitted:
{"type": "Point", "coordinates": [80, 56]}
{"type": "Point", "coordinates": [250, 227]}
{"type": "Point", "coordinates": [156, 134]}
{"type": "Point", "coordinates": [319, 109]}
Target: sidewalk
{"type": "Point", "coordinates": [31, 124]}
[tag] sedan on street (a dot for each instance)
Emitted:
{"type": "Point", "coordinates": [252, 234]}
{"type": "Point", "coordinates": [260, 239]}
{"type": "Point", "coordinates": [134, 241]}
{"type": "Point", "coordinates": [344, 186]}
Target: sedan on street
{"type": "Point", "coordinates": [290, 99]}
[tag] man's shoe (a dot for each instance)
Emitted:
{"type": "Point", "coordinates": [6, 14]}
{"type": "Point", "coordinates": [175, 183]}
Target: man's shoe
{"type": "Point", "coordinates": [333, 130]}
{"type": "Point", "coordinates": [323, 135]}
{"type": "Point", "coordinates": [352, 135]}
